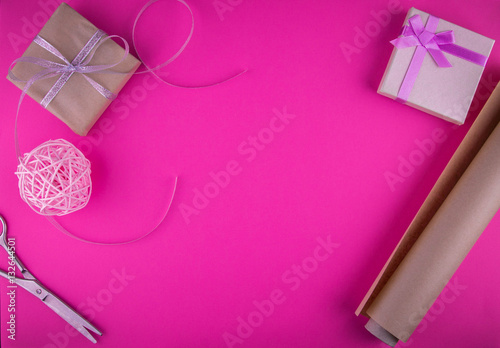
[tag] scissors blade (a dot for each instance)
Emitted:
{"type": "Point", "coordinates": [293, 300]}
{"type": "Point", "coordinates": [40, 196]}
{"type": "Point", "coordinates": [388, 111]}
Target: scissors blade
{"type": "Point", "coordinates": [73, 318]}
{"type": "Point", "coordinates": [4, 274]}
{"type": "Point", "coordinates": [58, 306]}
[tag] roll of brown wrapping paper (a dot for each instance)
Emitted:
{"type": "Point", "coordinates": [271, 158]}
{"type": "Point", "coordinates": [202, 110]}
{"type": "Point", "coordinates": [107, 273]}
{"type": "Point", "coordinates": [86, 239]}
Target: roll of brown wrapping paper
{"type": "Point", "coordinates": [455, 213]}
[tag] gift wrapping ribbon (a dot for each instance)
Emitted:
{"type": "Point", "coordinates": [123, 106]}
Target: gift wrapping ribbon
{"type": "Point", "coordinates": [80, 65]}
{"type": "Point", "coordinates": [427, 40]}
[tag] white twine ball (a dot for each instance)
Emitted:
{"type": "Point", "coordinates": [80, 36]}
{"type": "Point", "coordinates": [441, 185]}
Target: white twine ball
{"type": "Point", "coordinates": [54, 178]}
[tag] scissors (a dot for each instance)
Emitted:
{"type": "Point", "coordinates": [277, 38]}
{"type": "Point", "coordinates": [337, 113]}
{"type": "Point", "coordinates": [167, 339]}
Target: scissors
{"type": "Point", "coordinates": [32, 285]}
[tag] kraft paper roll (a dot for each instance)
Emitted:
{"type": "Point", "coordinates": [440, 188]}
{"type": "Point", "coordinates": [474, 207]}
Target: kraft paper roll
{"type": "Point", "coordinates": [456, 212]}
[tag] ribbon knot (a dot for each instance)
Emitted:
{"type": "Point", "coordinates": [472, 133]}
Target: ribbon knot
{"type": "Point", "coordinates": [72, 68]}
{"type": "Point", "coordinates": [65, 70]}
{"type": "Point", "coordinates": [415, 34]}
{"type": "Point", "coordinates": [425, 39]}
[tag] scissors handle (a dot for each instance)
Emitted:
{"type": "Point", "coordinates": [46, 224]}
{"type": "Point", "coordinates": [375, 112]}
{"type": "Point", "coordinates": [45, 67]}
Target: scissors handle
{"type": "Point", "coordinates": [3, 242]}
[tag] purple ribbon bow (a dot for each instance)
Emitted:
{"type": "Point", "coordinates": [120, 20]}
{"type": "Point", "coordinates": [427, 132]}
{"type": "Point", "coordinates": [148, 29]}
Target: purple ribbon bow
{"type": "Point", "coordinates": [79, 65]}
{"type": "Point", "coordinates": [427, 40]}
{"type": "Point", "coordinates": [67, 69]}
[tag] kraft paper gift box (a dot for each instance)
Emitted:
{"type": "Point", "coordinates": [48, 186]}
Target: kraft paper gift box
{"type": "Point", "coordinates": [433, 69]}
{"type": "Point", "coordinates": [78, 103]}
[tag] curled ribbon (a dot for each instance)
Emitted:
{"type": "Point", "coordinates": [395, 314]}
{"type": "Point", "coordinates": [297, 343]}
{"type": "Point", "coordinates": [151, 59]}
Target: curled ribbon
{"type": "Point", "coordinates": [427, 40]}
{"type": "Point", "coordinates": [81, 65]}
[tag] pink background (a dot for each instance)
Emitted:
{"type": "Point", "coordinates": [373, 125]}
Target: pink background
{"type": "Point", "coordinates": [322, 176]}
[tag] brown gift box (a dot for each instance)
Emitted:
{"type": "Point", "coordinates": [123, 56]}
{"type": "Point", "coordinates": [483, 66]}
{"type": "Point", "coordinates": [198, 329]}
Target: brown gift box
{"type": "Point", "coordinates": [457, 210]}
{"type": "Point", "coordinates": [77, 104]}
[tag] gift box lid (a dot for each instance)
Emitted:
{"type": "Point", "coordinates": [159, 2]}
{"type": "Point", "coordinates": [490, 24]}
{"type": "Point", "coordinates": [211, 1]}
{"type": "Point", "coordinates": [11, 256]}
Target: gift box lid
{"type": "Point", "coordinates": [443, 92]}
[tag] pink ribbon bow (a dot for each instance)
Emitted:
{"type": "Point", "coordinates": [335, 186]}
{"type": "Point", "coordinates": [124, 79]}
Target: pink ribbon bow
{"type": "Point", "coordinates": [427, 40]}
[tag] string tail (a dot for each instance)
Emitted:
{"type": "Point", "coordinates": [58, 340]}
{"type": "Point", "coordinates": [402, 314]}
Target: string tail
{"type": "Point", "coordinates": [177, 54]}
{"type": "Point", "coordinates": [68, 233]}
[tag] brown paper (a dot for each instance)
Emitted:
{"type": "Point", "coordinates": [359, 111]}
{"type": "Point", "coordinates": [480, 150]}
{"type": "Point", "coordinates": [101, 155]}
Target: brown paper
{"type": "Point", "coordinates": [77, 104]}
{"type": "Point", "coordinates": [457, 210]}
